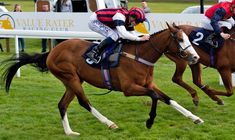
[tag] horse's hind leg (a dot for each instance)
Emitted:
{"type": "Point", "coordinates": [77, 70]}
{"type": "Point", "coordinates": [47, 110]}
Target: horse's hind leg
{"type": "Point", "coordinates": [227, 80]}
{"type": "Point", "coordinates": [68, 75]}
{"type": "Point", "coordinates": [75, 85]}
{"type": "Point", "coordinates": [63, 105]}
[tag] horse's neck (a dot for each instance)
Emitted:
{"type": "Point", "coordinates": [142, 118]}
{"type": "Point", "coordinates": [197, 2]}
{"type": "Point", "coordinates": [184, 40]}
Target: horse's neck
{"type": "Point", "coordinates": [150, 50]}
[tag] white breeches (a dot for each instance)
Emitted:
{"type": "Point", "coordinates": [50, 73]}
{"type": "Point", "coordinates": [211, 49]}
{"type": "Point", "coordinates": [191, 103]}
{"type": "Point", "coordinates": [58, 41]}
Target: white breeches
{"type": "Point", "coordinates": [229, 23]}
{"type": "Point", "coordinates": [95, 25]}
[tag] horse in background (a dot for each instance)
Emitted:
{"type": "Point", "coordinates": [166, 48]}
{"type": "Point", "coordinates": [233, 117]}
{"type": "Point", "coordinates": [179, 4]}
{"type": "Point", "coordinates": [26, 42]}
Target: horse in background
{"type": "Point", "coordinates": [224, 63]}
{"type": "Point", "coordinates": [133, 76]}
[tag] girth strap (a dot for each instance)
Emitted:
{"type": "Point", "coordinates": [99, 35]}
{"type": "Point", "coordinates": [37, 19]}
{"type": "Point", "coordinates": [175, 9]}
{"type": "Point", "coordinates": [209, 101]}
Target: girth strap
{"type": "Point", "coordinates": [106, 74]}
{"type": "Point", "coordinates": [107, 79]}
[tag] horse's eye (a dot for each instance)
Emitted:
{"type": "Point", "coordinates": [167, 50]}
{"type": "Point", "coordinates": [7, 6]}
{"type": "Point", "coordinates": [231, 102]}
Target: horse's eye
{"type": "Point", "coordinates": [180, 39]}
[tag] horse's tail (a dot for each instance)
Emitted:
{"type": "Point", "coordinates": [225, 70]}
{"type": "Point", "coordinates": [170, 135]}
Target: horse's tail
{"type": "Point", "coordinates": [10, 66]}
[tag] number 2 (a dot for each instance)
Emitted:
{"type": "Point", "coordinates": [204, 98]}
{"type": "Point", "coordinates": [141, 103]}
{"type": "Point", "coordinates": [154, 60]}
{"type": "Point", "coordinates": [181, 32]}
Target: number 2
{"type": "Point", "coordinates": [199, 38]}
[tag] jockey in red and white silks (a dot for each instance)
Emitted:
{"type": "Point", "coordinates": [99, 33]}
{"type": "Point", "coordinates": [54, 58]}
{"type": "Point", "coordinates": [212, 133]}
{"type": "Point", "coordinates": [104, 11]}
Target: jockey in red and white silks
{"type": "Point", "coordinates": [220, 15]}
{"type": "Point", "coordinates": [115, 23]}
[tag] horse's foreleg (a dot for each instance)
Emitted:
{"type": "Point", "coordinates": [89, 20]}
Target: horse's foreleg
{"type": "Point", "coordinates": [197, 80]}
{"type": "Point", "coordinates": [177, 78]}
{"type": "Point", "coordinates": [163, 97]}
{"type": "Point", "coordinates": [185, 112]}
{"type": "Point", "coordinates": [152, 113]}
{"type": "Point", "coordinates": [137, 90]}
{"type": "Point", "coordinates": [103, 119]}
{"type": "Point", "coordinates": [63, 105]}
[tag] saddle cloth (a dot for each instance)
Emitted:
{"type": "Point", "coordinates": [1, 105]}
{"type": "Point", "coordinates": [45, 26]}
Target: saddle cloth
{"type": "Point", "coordinates": [204, 39]}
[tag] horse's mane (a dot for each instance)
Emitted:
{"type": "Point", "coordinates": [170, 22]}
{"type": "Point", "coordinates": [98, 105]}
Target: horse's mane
{"type": "Point", "coordinates": [156, 33]}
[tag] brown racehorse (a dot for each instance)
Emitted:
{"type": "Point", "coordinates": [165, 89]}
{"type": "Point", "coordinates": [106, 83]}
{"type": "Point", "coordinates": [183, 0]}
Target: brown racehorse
{"type": "Point", "coordinates": [224, 63]}
{"type": "Point", "coordinates": [134, 76]}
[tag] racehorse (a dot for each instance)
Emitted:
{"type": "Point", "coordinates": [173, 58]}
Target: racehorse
{"type": "Point", "coordinates": [133, 76]}
{"type": "Point", "coordinates": [224, 63]}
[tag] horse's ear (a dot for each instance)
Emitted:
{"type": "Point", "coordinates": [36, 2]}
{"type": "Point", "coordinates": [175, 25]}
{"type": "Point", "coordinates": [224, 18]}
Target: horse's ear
{"type": "Point", "coordinates": [169, 27]}
{"type": "Point", "coordinates": [175, 26]}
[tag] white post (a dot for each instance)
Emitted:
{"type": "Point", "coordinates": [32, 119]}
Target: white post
{"type": "Point", "coordinates": [233, 80]}
{"type": "Point", "coordinates": [17, 53]}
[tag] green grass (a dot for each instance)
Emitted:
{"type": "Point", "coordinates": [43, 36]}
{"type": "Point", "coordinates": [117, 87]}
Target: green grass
{"type": "Point", "coordinates": [29, 111]}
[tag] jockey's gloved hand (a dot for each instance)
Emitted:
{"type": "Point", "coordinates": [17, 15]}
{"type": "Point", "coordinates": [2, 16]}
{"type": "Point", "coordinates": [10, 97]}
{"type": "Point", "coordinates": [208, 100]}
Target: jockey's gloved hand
{"type": "Point", "coordinates": [145, 37]}
{"type": "Point", "coordinates": [225, 35]}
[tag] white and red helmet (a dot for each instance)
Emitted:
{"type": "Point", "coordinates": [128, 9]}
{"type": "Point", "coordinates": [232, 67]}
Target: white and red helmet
{"type": "Point", "coordinates": [138, 14]}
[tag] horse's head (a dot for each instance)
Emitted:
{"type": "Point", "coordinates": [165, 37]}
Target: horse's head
{"type": "Point", "coordinates": [185, 48]}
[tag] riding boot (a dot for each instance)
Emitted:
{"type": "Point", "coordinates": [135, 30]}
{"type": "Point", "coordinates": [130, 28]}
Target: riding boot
{"type": "Point", "coordinates": [95, 53]}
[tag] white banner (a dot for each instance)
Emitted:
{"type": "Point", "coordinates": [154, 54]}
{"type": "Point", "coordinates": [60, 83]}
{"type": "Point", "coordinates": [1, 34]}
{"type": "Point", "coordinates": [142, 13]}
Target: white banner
{"type": "Point", "coordinates": [48, 21]}
{"type": "Point", "coordinates": [77, 22]}
{"type": "Point", "coordinates": [158, 21]}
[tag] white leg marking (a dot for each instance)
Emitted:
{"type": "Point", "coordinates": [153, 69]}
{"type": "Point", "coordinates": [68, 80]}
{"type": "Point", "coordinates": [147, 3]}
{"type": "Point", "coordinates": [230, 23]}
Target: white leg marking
{"type": "Point", "coordinates": [67, 129]}
{"type": "Point", "coordinates": [103, 119]}
{"type": "Point", "coordinates": [185, 112]}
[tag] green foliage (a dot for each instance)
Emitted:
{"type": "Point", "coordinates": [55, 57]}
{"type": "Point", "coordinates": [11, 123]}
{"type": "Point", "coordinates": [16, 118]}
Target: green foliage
{"type": "Point", "coordinates": [29, 111]}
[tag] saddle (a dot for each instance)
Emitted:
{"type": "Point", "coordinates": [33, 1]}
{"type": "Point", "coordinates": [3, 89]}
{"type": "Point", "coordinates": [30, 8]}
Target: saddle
{"type": "Point", "coordinates": [109, 59]}
{"type": "Point", "coordinates": [110, 56]}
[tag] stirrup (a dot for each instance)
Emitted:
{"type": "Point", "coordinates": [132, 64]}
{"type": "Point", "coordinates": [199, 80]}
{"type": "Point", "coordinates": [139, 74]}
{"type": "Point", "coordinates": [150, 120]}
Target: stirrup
{"type": "Point", "coordinates": [92, 55]}
{"type": "Point", "coordinates": [214, 44]}
{"type": "Point", "coordinates": [210, 40]}
{"type": "Point", "coordinates": [96, 59]}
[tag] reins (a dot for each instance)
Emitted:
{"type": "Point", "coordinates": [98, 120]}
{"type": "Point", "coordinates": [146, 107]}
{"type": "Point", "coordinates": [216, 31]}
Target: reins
{"type": "Point", "coordinates": [233, 39]}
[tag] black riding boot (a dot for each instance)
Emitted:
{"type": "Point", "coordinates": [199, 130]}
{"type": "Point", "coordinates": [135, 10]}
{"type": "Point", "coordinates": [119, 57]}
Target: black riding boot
{"type": "Point", "coordinates": [95, 53]}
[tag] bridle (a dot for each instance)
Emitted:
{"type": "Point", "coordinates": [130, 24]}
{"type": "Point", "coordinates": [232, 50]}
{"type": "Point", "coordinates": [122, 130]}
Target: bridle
{"type": "Point", "coordinates": [181, 53]}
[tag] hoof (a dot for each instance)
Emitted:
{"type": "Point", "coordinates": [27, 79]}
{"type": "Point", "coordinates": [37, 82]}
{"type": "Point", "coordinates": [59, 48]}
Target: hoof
{"type": "Point", "coordinates": [220, 102]}
{"type": "Point", "coordinates": [195, 102]}
{"type": "Point", "coordinates": [72, 133]}
{"type": "Point", "coordinates": [198, 121]}
{"type": "Point", "coordinates": [149, 123]}
{"type": "Point", "coordinates": [113, 126]}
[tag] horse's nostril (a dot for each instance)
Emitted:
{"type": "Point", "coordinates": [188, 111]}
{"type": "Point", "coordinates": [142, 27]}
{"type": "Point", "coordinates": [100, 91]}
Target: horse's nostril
{"type": "Point", "coordinates": [195, 57]}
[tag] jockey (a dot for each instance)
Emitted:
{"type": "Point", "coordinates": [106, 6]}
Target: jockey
{"type": "Point", "coordinates": [115, 23]}
{"type": "Point", "coordinates": [220, 15]}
